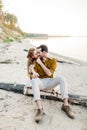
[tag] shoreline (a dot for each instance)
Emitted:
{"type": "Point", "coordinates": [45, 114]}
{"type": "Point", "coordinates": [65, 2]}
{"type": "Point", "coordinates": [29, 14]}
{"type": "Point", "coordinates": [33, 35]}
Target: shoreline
{"type": "Point", "coordinates": [68, 59]}
{"type": "Point", "coordinates": [59, 57]}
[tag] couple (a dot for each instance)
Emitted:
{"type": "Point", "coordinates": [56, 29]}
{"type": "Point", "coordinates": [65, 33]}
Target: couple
{"type": "Point", "coordinates": [41, 68]}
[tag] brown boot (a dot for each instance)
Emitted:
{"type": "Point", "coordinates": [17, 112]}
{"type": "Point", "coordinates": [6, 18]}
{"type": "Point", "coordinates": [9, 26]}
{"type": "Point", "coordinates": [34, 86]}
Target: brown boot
{"type": "Point", "coordinates": [68, 111]}
{"type": "Point", "coordinates": [39, 115]}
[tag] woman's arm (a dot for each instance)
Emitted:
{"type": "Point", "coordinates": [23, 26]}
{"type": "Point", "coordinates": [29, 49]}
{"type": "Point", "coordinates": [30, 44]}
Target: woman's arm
{"type": "Point", "coordinates": [30, 70]}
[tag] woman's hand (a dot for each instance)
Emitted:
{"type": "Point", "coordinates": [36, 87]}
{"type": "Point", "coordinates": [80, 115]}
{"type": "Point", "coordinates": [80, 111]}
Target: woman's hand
{"type": "Point", "coordinates": [35, 75]}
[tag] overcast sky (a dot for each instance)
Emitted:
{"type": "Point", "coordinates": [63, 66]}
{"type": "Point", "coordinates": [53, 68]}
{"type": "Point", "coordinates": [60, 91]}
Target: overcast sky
{"type": "Point", "coordinates": [56, 17]}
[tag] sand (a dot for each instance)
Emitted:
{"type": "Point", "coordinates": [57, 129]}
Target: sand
{"type": "Point", "coordinates": [17, 111]}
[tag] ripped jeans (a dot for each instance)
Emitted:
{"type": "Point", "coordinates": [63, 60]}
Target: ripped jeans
{"type": "Point", "coordinates": [47, 83]}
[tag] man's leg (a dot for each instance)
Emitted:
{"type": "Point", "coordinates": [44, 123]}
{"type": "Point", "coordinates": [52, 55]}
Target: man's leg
{"type": "Point", "coordinates": [53, 82]}
{"type": "Point", "coordinates": [36, 83]}
{"type": "Point", "coordinates": [48, 83]}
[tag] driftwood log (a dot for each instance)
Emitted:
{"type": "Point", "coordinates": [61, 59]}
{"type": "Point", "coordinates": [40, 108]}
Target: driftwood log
{"type": "Point", "coordinates": [45, 94]}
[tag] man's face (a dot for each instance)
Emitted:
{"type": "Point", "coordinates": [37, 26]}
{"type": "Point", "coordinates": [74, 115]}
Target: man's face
{"type": "Point", "coordinates": [40, 53]}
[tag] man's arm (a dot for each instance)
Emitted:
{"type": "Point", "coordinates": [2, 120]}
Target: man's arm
{"type": "Point", "coordinates": [46, 70]}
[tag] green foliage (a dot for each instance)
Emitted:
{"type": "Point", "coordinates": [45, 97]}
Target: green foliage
{"type": "Point", "coordinates": [1, 6]}
{"type": "Point", "coordinates": [10, 29]}
{"type": "Point", "coordinates": [7, 19]}
{"type": "Point", "coordinates": [8, 40]}
{"type": "Point", "coordinates": [10, 20]}
{"type": "Point", "coordinates": [1, 12]}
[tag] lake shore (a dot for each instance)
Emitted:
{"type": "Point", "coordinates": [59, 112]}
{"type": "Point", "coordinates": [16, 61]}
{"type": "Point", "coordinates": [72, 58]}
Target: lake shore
{"type": "Point", "coordinates": [13, 70]}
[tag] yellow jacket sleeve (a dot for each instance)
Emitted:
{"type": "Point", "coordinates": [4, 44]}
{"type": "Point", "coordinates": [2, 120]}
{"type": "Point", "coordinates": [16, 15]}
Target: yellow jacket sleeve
{"type": "Point", "coordinates": [52, 65]}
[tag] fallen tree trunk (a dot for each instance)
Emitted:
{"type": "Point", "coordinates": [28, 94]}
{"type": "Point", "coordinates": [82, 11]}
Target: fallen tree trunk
{"type": "Point", "coordinates": [45, 94]}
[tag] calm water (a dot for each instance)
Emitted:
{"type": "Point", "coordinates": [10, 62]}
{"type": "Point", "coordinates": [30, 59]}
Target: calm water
{"type": "Point", "coordinates": [75, 47]}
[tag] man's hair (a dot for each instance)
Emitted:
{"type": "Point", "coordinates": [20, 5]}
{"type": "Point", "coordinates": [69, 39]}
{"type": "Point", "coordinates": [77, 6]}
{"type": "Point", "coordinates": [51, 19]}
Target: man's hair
{"type": "Point", "coordinates": [43, 48]}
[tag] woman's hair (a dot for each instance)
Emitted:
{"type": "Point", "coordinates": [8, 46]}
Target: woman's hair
{"type": "Point", "coordinates": [29, 56]}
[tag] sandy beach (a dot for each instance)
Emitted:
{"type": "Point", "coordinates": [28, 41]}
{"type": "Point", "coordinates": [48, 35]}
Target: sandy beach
{"type": "Point", "coordinates": [17, 111]}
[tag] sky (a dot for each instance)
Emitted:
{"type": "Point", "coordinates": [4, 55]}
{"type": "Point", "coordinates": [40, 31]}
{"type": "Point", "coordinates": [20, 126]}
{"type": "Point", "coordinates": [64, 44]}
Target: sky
{"type": "Point", "coordinates": [53, 17]}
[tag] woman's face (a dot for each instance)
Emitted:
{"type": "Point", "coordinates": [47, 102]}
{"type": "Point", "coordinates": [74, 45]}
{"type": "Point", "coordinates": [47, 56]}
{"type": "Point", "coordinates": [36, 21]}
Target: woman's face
{"type": "Point", "coordinates": [36, 54]}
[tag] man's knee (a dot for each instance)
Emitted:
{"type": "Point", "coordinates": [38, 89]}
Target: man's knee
{"type": "Point", "coordinates": [61, 78]}
{"type": "Point", "coordinates": [35, 81]}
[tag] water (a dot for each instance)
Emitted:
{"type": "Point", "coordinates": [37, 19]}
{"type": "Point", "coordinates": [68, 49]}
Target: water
{"type": "Point", "coordinates": [74, 47]}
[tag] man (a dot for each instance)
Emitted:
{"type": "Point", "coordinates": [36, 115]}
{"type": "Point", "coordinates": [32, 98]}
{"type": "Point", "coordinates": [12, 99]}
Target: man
{"type": "Point", "coordinates": [45, 67]}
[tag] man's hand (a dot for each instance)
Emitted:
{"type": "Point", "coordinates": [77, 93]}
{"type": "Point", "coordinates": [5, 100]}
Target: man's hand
{"type": "Point", "coordinates": [45, 69]}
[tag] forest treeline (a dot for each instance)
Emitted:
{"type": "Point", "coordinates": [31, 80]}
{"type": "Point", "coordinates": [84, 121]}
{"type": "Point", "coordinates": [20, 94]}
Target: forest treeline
{"type": "Point", "coordinates": [10, 30]}
{"type": "Point", "coordinates": [9, 27]}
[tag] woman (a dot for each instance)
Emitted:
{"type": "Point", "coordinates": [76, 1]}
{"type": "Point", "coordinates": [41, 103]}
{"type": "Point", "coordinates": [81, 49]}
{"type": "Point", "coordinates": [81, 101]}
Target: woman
{"type": "Point", "coordinates": [32, 56]}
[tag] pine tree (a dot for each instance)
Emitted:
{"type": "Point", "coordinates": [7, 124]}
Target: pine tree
{"type": "Point", "coordinates": [1, 12]}
{"type": "Point", "coordinates": [10, 20]}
